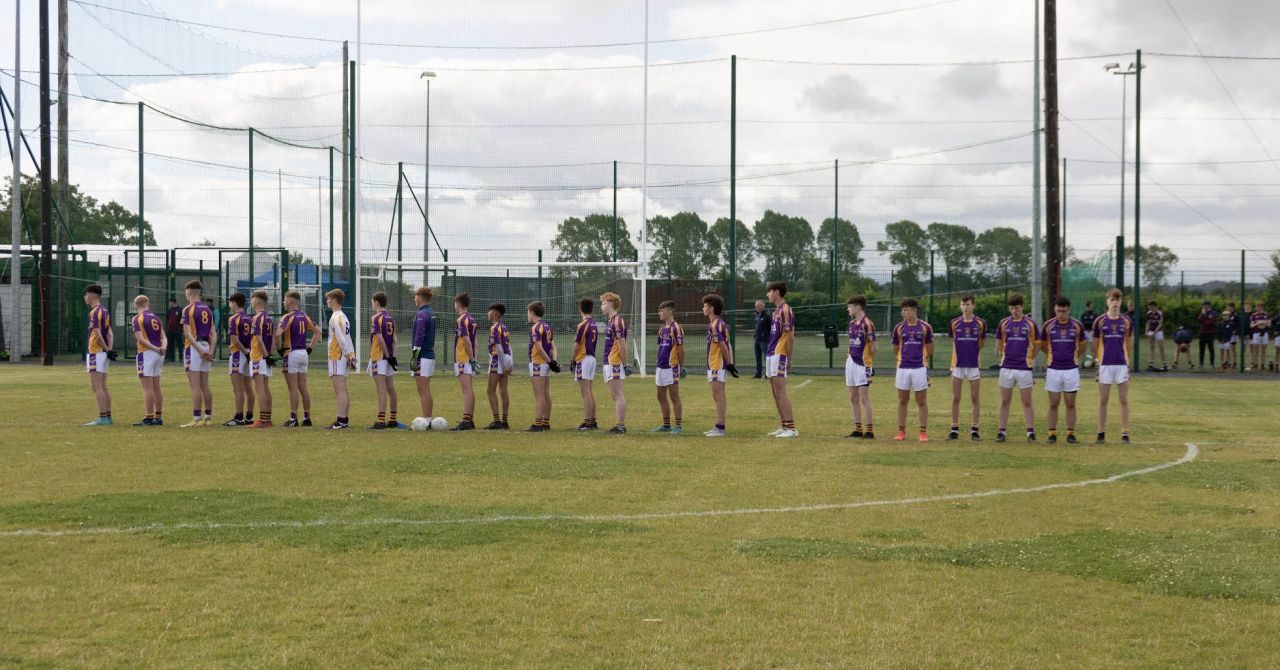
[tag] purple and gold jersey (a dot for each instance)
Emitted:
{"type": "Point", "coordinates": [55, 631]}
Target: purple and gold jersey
{"type": "Point", "coordinates": [1155, 319]}
{"type": "Point", "coordinates": [584, 340]}
{"type": "Point", "coordinates": [382, 336]}
{"type": "Point", "coordinates": [670, 345]}
{"type": "Point", "coordinates": [717, 344]}
{"type": "Point", "coordinates": [781, 330]}
{"type": "Point", "coordinates": [295, 326]}
{"type": "Point", "coordinates": [1063, 341]}
{"type": "Point", "coordinates": [967, 338]}
{"type": "Point", "coordinates": [540, 333]}
{"type": "Point", "coordinates": [1018, 341]}
{"type": "Point", "coordinates": [911, 340]}
{"type": "Point", "coordinates": [147, 328]}
{"type": "Point", "coordinates": [240, 328]}
{"type": "Point", "coordinates": [200, 318]}
{"type": "Point", "coordinates": [263, 329]}
{"type": "Point", "coordinates": [1114, 337]}
{"type": "Point", "coordinates": [464, 332]}
{"type": "Point", "coordinates": [615, 333]}
{"type": "Point", "coordinates": [499, 339]}
{"type": "Point", "coordinates": [861, 332]}
{"type": "Point", "coordinates": [1259, 321]}
{"type": "Point", "coordinates": [100, 322]}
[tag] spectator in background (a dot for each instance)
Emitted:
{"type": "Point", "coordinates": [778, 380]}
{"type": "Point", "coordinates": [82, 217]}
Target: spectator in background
{"type": "Point", "coordinates": [1259, 326]}
{"type": "Point", "coordinates": [761, 337]}
{"type": "Point", "coordinates": [1182, 345]}
{"type": "Point", "coordinates": [1275, 337]}
{"type": "Point", "coordinates": [1229, 335]}
{"type": "Point", "coordinates": [1208, 322]}
{"type": "Point", "coordinates": [173, 324]}
{"type": "Point", "coordinates": [1155, 337]}
{"type": "Point", "coordinates": [1087, 317]}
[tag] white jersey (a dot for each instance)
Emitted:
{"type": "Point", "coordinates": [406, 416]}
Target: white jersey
{"type": "Point", "coordinates": [340, 345]}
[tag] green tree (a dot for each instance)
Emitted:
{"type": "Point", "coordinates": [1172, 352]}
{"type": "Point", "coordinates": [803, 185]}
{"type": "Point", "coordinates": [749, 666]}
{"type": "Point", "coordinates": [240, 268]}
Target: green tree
{"type": "Point", "coordinates": [680, 249]}
{"type": "Point", "coordinates": [718, 247]}
{"type": "Point", "coordinates": [786, 242]}
{"type": "Point", "coordinates": [908, 247]}
{"type": "Point", "coordinates": [1271, 289]}
{"type": "Point", "coordinates": [849, 260]}
{"type": "Point", "coordinates": [1157, 263]}
{"type": "Point", "coordinates": [954, 245]}
{"type": "Point", "coordinates": [1000, 249]}
{"type": "Point", "coordinates": [590, 239]}
{"type": "Point", "coordinates": [87, 220]}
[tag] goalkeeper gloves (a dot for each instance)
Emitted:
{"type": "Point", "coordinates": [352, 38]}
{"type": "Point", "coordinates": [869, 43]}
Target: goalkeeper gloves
{"type": "Point", "coordinates": [733, 370]}
{"type": "Point", "coordinates": [113, 355]}
{"type": "Point", "coordinates": [684, 372]}
{"type": "Point", "coordinates": [308, 351]}
{"type": "Point", "coordinates": [871, 371]}
{"type": "Point", "coordinates": [270, 361]}
{"type": "Point", "coordinates": [395, 365]}
{"type": "Point", "coordinates": [554, 365]}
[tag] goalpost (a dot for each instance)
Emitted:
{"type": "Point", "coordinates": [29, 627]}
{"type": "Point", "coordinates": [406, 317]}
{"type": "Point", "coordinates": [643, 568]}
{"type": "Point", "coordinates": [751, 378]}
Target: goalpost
{"type": "Point", "coordinates": [560, 285]}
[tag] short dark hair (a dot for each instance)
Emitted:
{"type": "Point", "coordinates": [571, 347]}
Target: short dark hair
{"type": "Point", "coordinates": [236, 299]}
{"type": "Point", "coordinates": [910, 302]}
{"type": "Point", "coordinates": [261, 295]}
{"type": "Point", "coordinates": [859, 300]}
{"type": "Point", "coordinates": [173, 300]}
{"type": "Point", "coordinates": [1114, 293]}
{"type": "Point", "coordinates": [380, 298]}
{"type": "Point", "coordinates": [779, 286]}
{"type": "Point", "coordinates": [1015, 300]}
{"type": "Point", "coordinates": [1088, 303]}
{"type": "Point", "coordinates": [499, 308]}
{"type": "Point", "coordinates": [1151, 303]}
{"type": "Point", "coordinates": [667, 303]}
{"type": "Point", "coordinates": [967, 298]}
{"type": "Point", "coordinates": [716, 302]}
{"type": "Point", "coordinates": [193, 285]}
{"type": "Point", "coordinates": [1062, 301]}
{"type": "Point", "coordinates": [586, 306]}
{"type": "Point", "coordinates": [537, 308]}
{"type": "Point", "coordinates": [95, 289]}
{"type": "Point", "coordinates": [1206, 304]}
{"type": "Point", "coordinates": [463, 299]}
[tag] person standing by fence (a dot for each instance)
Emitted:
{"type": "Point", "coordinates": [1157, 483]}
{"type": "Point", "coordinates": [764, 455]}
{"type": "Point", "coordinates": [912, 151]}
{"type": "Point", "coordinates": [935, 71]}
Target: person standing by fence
{"type": "Point", "coordinates": [173, 324]}
{"type": "Point", "coordinates": [1208, 321]}
{"type": "Point", "coordinates": [761, 337]}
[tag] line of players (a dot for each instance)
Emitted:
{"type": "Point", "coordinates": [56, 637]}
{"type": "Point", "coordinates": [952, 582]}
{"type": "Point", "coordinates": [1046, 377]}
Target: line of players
{"type": "Point", "coordinates": [1018, 340]}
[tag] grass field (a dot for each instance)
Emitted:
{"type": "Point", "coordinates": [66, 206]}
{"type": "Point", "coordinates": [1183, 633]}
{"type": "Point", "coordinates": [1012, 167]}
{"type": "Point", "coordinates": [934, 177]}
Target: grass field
{"type": "Point", "coordinates": [309, 548]}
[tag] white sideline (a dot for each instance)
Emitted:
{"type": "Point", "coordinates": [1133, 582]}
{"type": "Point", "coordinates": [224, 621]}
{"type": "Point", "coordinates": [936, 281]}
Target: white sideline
{"type": "Point", "coordinates": [1192, 452]}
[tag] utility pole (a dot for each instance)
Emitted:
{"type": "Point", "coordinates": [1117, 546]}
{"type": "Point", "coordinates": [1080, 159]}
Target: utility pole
{"type": "Point", "coordinates": [46, 191]}
{"type": "Point", "coordinates": [1053, 281]}
{"type": "Point", "coordinates": [64, 167]}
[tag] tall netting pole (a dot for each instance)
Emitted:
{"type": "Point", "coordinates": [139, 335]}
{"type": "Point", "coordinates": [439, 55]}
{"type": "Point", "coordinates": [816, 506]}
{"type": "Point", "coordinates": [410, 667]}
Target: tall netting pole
{"type": "Point", "coordinates": [15, 213]}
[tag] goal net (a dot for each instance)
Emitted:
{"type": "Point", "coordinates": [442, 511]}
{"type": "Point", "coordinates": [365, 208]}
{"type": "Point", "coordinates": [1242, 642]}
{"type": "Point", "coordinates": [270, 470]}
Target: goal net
{"type": "Point", "coordinates": [559, 285]}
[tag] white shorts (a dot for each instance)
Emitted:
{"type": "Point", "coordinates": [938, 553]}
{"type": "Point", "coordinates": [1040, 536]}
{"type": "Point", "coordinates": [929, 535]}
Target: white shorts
{"type": "Point", "coordinates": [460, 369]}
{"type": "Point", "coordinates": [666, 376]}
{"type": "Point", "coordinates": [855, 374]}
{"type": "Point", "coordinates": [238, 364]}
{"type": "Point", "coordinates": [1088, 335]}
{"type": "Point", "coordinates": [539, 370]}
{"type": "Point", "coordinates": [193, 361]}
{"type": "Point", "coordinates": [1022, 379]}
{"type": "Point", "coordinates": [612, 372]}
{"type": "Point", "coordinates": [380, 368]}
{"type": "Point", "coordinates": [1259, 338]}
{"type": "Point", "coordinates": [96, 362]}
{"type": "Point", "coordinates": [426, 368]}
{"type": "Point", "coordinates": [911, 379]}
{"type": "Point", "coordinates": [967, 374]}
{"type": "Point", "coordinates": [1235, 339]}
{"type": "Point", "coordinates": [500, 365]}
{"type": "Point", "coordinates": [1113, 374]}
{"type": "Point", "coordinates": [1158, 335]}
{"type": "Point", "coordinates": [585, 370]}
{"type": "Point", "coordinates": [1062, 381]}
{"type": "Point", "coordinates": [775, 366]}
{"type": "Point", "coordinates": [339, 368]}
{"type": "Point", "coordinates": [1277, 340]}
{"type": "Point", "coordinates": [1226, 346]}
{"type": "Point", "coordinates": [720, 375]}
{"type": "Point", "coordinates": [259, 369]}
{"type": "Point", "coordinates": [150, 363]}
{"type": "Point", "coordinates": [296, 362]}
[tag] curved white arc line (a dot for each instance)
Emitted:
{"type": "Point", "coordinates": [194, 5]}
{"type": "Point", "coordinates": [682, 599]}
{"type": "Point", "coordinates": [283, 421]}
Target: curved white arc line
{"type": "Point", "coordinates": [1191, 454]}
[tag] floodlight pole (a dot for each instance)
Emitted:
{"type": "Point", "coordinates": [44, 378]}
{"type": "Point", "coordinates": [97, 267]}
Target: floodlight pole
{"type": "Point", "coordinates": [733, 202]}
{"type": "Point", "coordinates": [1036, 183]}
{"type": "Point", "coordinates": [46, 189]}
{"type": "Point", "coordinates": [15, 213]}
{"type": "Point", "coordinates": [1138, 312]}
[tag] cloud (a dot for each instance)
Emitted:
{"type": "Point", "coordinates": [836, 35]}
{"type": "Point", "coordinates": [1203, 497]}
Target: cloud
{"type": "Point", "coordinates": [842, 93]}
{"type": "Point", "coordinates": [973, 83]}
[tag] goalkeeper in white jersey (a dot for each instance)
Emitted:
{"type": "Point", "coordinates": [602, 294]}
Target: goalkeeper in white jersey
{"type": "Point", "coordinates": [342, 355]}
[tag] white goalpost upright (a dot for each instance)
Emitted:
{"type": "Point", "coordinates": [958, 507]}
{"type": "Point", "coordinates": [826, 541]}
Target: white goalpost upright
{"type": "Point", "coordinates": [633, 304]}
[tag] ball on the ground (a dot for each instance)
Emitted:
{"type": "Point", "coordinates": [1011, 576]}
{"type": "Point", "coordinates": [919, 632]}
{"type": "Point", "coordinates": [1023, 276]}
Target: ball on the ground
{"type": "Point", "coordinates": [421, 423]}
{"type": "Point", "coordinates": [439, 423]}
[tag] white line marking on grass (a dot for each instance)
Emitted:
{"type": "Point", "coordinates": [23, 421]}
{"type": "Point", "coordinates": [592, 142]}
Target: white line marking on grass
{"type": "Point", "coordinates": [1192, 452]}
{"type": "Point", "coordinates": [804, 383]}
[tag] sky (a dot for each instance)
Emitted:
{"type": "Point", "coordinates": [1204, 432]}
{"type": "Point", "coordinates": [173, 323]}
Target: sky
{"type": "Point", "coordinates": [927, 104]}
